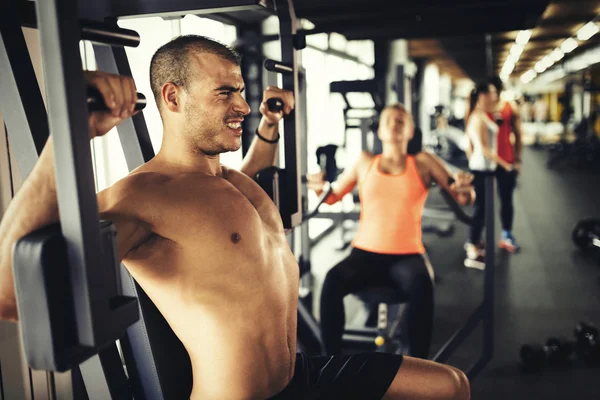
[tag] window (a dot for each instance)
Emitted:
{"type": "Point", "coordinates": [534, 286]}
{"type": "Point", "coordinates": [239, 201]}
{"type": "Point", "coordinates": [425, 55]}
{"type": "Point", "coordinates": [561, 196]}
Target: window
{"type": "Point", "coordinates": [325, 112]}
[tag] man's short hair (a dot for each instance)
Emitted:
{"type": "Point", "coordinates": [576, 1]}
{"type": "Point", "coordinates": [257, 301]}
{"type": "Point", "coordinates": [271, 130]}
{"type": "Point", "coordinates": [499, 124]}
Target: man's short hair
{"type": "Point", "coordinates": [171, 62]}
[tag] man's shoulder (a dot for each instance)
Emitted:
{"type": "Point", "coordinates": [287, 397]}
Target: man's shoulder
{"type": "Point", "coordinates": [131, 189]}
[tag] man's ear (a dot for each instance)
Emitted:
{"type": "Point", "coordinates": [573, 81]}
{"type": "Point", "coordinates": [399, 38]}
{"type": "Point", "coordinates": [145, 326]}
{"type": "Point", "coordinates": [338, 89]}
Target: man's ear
{"type": "Point", "coordinates": [171, 96]}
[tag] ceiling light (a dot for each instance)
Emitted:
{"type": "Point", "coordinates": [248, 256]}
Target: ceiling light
{"type": "Point", "coordinates": [587, 31]}
{"type": "Point", "coordinates": [307, 25]}
{"type": "Point", "coordinates": [569, 45]}
{"type": "Point", "coordinates": [547, 62]}
{"type": "Point", "coordinates": [507, 69]}
{"type": "Point", "coordinates": [523, 37]}
{"type": "Point", "coordinates": [539, 67]}
{"type": "Point", "coordinates": [557, 55]}
{"type": "Point", "coordinates": [511, 59]}
{"type": "Point", "coordinates": [528, 76]}
{"type": "Point", "coordinates": [516, 49]}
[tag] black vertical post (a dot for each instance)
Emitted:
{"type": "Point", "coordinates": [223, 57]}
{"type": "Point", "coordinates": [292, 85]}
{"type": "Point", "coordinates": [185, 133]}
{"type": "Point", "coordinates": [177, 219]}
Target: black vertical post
{"type": "Point", "coordinates": [22, 104]}
{"type": "Point", "coordinates": [60, 33]}
{"type": "Point", "coordinates": [490, 264]}
{"type": "Point", "coordinates": [416, 88]}
{"type": "Point", "coordinates": [400, 90]}
{"type": "Point", "coordinates": [489, 55]}
{"type": "Point", "coordinates": [287, 27]}
{"type": "Point", "coordinates": [380, 68]}
{"type": "Point", "coordinates": [490, 268]}
{"type": "Point", "coordinates": [252, 71]}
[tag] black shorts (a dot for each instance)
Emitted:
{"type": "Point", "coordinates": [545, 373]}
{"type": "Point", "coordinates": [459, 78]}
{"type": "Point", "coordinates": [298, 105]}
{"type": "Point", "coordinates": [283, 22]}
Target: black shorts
{"type": "Point", "coordinates": [365, 376]}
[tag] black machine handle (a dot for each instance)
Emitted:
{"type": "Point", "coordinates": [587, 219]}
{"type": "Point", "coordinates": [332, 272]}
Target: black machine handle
{"type": "Point", "coordinates": [108, 34]}
{"type": "Point", "coordinates": [461, 215]}
{"type": "Point", "coordinates": [275, 104]}
{"type": "Point", "coordinates": [278, 66]}
{"type": "Point", "coordinates": [95, 101]}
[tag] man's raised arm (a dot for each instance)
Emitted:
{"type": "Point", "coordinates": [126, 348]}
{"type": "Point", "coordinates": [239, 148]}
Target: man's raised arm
{"type": "Point", "coordinates": [35, 205]}
{"type": "Point", "coordinates": [263, 149]}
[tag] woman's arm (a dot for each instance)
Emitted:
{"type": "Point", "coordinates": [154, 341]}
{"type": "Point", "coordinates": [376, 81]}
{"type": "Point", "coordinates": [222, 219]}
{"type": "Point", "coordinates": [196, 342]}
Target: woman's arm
{"type": "Point", "coordinates": [482, 132]}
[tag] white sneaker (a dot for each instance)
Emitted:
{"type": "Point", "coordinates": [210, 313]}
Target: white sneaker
{"type": "Point", "coordinates": [479, 246]}
{"type": "Point", "coordinates": [475, 258]}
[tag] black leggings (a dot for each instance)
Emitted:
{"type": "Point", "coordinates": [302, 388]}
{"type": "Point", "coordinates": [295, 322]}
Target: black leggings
{"type": "Point", "coordinates": [507, 182]}
{"type": "Point", "coordinates": [361, 269]}
{"type": "Point", "coordinates": [478, 207]}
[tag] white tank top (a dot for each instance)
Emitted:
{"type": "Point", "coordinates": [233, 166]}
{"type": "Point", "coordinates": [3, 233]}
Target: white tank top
{"type": "Point", "coordinates": [477, 161]}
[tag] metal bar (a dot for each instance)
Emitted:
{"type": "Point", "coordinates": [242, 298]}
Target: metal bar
{"type": "Point", "coordinates": [137, 8]}
{"type": "Point", "coordinates": [400, 83]}
{"type": "Point", "coordinates": [459, 336]}
{"type": "Point", "coordinates": [279, 67]}
{"type": "Point", "coordinates": [21, 104]}
{"type": "Point", "coordinates": [362, 332]}
{"type": "Point", "coordinates": [105, 34]}
{"type": "Point", "coordinates": [113, 384]}
{"type": "Point", "coordinates": [94, 31]}
{"type": "Point", "coordinates": [358, 86]}
{"type": "Point", "coordinates": [339, 216]}
{"type": "Point", "coordinates": [490, 268]}
{"type": "Point", "coordinates": [291, 124]}
{"type": "Point", "coordinates": [489, 55]}
{"type": "Point", "coordinates": [365, 129]}
{"type": "Point", "coordinates": [68, 118]}
{"type": "Point", "coordinates": [302, 99]}
{"type": "Point", "coordinates": [314, 241]}
{"type": "Point", "coordinates": [309, 334]}
{"type": "Point", "coordinates": [133, 132]}
{"type": "Point", "coordinates": [456, 208]}
{"type": "Point", "coordinates": [477, 367]}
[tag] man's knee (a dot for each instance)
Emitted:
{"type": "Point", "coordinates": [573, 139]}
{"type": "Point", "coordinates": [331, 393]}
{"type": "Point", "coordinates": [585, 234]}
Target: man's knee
{"type": "Point", "coordinates": [461, 386]}
{"type": "Point", "coordinates": [454, 384]}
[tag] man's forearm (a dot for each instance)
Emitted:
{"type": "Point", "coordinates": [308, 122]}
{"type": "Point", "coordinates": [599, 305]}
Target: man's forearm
{"type": "Point", "coordinates": [34, 206]}
{"type": "Point", "coordinates": [261, 154]}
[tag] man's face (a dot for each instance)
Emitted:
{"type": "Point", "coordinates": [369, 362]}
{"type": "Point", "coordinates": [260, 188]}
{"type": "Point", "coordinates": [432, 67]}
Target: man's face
{"type": "Point", "coordinates": [395, 126]}
{"type": "Point", "coordinates": [214, 107]}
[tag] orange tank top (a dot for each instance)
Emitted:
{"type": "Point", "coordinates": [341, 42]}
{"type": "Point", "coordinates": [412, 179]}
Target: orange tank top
{"type": "Point", "coordinates": [391, 207]}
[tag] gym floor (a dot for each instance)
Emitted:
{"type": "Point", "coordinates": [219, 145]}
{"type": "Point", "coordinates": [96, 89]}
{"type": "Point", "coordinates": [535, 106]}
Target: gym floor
{"type": "Point", "coordinates": [541, 292]}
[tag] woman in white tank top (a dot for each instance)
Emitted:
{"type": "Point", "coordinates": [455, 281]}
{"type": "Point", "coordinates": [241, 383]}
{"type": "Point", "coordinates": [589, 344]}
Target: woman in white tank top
{"type": "Point", "coordinates": [482, 132]}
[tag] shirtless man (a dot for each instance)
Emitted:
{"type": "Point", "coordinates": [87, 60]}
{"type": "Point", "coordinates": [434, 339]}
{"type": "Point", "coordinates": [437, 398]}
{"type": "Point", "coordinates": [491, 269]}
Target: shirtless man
{"type": "Point", "coordinates": [207, 244]}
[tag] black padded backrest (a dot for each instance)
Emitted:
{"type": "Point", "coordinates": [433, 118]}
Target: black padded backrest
{"type": "Point", "coordinates": [158, 365]}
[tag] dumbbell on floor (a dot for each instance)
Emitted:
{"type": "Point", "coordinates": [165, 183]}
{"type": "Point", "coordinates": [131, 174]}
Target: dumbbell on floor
{"type": "Point", "coordinates": [557, 351]}
{"type": "Point", "coordinates": [588, 343]}
{"type": "Point", "coordinates": [586, 234]}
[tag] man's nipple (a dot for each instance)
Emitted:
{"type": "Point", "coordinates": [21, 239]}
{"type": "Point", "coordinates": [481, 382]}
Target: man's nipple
{"type": "Point", "coordinates": [235, 237]}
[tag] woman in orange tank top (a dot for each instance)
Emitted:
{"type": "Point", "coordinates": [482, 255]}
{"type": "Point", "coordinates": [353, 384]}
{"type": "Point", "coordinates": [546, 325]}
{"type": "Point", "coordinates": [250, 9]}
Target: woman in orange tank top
{"type": "Point", "coordinates": [388, 249]}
